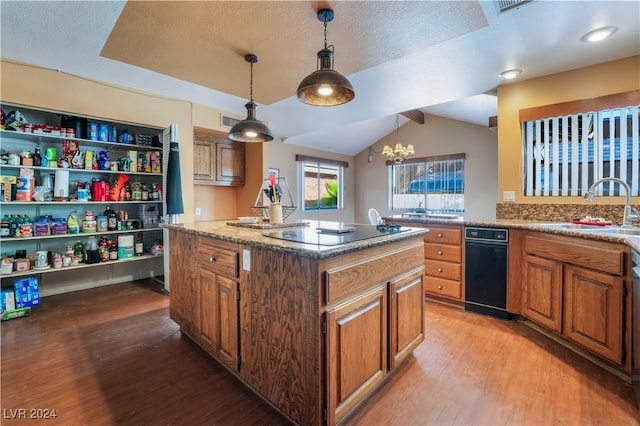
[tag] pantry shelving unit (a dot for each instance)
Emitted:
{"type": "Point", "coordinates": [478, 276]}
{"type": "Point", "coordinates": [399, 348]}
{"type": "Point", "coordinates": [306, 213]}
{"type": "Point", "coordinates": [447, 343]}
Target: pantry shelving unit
{"type": "Point", "coordinates": [81, 276]}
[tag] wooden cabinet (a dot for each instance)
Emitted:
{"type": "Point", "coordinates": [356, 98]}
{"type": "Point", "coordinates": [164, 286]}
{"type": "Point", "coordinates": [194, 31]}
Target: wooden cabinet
{"type": "Point", "coordinates": [204, 296]}
{"type": "Point", "coordinates": [315, 335]}
{"type": "Point", "coordinates": [356, 350]}
{"type": "Point", "coordinates": [443, 262]}
{"type": "Point", "coordinates": [218, 161]}
{"type": "Point", "coordinates": [593, 308]}
{"type": "Point", "coordinates": [543, 292]}
{"type": "Point", "coordinates": [406, 315]}
{"type": "Point", "coordinates": [577, 288]}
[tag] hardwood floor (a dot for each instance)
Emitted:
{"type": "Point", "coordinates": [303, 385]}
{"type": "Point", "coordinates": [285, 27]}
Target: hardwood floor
{"type": "Point", "coordinates": [111, 355]}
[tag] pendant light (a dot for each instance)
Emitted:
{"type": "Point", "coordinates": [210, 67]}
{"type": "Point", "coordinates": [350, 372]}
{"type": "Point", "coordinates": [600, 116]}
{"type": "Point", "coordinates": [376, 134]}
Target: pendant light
{"type": "Point", "coordinates": [325, 87]}
{"type": "Point", "coordinates": [399, 153]}
{"type": "Point", "coordinates": [250, 129]}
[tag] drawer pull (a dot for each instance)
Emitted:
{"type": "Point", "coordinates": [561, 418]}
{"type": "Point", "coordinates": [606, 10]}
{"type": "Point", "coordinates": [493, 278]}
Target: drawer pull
{"type": "Point", "coordinates": [212, 259]}
{"type": "Point", "coordinates": [439, 287]}
{"type": "Point", "coordinates": [440, 252]}
{"type": "Point", "coordinates": [439, 235]}
{"type": "Point", "coordinates": [439, 269]}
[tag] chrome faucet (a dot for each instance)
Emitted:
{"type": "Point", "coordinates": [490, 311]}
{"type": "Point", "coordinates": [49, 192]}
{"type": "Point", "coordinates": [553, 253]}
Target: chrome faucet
{"type": "Point", "coordinates": [630, 214]}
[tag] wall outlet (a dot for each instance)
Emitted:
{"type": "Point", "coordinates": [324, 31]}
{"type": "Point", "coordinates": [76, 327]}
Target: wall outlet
{"type": "Point", "coordinates": [198, 211]}
{"type": "Point", "coordinates": [246, 260]}
{"type": "Point", "coordinates": [508, 196]}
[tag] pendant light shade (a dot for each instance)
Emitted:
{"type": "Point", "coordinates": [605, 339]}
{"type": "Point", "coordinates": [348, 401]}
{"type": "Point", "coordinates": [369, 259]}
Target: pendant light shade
{"type": "Point", "coordinates": [325, 87]}
{"type": "Point", "coordinates": [250, 129]}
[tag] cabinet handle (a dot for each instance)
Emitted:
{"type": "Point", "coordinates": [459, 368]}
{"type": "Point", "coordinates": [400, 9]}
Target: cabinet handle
{"type": "Point", "coordinates": [212, 259]}
{"type": "Point", "coordinates": [439, 269]}
{"type": "Point", "coordinates": [439, 287]}
{"type": "Point", "coordinates": [440, 252]}
{"type": "Point", "coordinates": [439, 235]}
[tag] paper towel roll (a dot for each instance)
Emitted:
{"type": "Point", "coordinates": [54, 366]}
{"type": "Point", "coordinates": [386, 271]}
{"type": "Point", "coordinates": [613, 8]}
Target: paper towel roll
{"type": "Point", "coordinates": [61, 188]}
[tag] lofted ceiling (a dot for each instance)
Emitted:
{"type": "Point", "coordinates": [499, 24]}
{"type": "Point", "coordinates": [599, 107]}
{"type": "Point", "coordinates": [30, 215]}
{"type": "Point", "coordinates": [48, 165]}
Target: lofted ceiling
{"type": "Point", "coordinates": [441, 57]}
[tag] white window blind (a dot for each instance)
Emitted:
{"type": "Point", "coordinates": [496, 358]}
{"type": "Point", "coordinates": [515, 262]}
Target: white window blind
{"type": "Point", "coordinates": [565, 155]}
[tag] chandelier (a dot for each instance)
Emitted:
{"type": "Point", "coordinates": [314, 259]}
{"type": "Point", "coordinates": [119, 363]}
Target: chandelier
{"type": "Point", "coordinates": [399, 153]}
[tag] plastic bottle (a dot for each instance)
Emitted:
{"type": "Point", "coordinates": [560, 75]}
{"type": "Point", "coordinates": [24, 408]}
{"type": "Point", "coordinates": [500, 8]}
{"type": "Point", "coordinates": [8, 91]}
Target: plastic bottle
{"type": "Point", "coordinates": [139, 247]}
{"type": "Point", "coordinates": [78, 250]}
{"type": "Point", "coordinates": [73, 226]}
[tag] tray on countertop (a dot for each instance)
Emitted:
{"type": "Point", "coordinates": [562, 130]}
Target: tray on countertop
{"type": "Point", "coordinates": [267, 225]}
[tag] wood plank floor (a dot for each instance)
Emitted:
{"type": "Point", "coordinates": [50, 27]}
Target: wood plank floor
{"type": "Point", "coordinates": [112, 356]}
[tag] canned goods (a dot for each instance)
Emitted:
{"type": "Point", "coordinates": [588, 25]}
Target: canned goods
{"type": "Point", "coordinates": [57, 260]}
{"type": "Point", "coordinates": [89, 226]}
{"type": "Point", "coordinates": [89, 215]}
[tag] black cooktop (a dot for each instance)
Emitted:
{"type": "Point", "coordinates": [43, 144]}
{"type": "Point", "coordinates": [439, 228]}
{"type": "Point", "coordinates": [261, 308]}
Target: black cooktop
{"type": "Point", "coordinates": [329, 237]}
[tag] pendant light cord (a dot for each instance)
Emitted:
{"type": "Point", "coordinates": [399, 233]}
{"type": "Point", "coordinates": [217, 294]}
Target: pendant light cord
{"type": "Point", "coordinates": [251, 84]}
{"type": "Point", "coordinates": [325, 33]}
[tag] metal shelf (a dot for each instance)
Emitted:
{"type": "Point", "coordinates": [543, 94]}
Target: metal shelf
{"type": "Point", "coordinates": [42, 137]}
{"type": "Point", "coordinates": [78, 235]}
{"type": "Point", "coordinates": [72, 170]}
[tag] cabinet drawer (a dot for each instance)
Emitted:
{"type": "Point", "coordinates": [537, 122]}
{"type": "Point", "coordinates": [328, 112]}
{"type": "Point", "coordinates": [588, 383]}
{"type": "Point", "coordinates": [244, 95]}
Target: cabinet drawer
{"type": "Point", "coordinates": [219, 259]}
{"type": "Point", "coordinates": [440, 269]}
{"type": "Point", "coordinates": [443, 235]}
{"type": "Point", "coordinates": [443, 252]}
{"type": "Point", "coordinates": [442, 287]}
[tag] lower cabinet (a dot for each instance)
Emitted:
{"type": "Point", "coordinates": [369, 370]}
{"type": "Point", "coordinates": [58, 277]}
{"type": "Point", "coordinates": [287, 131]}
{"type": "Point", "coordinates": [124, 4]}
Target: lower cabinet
{"type": "Point", "coordinates": [218, 315]}
{"type": "Point", "coordinates": [370, 334]}
{"type": "Point", "coordinates": [577, 289]}
{"type": "Point", "coordinates": [357, 349]}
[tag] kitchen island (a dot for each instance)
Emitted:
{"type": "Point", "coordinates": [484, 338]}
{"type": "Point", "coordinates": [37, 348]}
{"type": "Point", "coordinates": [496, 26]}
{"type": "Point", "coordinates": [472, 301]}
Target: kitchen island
{"type": "Point", "coordinates": [313, 323]}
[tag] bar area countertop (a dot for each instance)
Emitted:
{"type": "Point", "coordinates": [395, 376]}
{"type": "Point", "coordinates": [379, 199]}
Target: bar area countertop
{"type": "Point", "coordinates": [301, 237]}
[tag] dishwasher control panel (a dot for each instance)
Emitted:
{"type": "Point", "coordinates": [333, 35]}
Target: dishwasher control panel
{"type": "Point", "coordinates": [486, 234]}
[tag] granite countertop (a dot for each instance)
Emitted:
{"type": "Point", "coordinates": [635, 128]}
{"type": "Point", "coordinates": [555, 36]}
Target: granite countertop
{"type": "Point", "coordinates": [254, 237]}
{"type": "Point", "coordinates": [631, 240]}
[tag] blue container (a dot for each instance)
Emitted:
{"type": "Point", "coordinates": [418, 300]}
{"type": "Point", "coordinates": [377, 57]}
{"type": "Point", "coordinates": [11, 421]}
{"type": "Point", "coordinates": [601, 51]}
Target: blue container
{"type": "Point", "coordinates": [103, 133]}
{"type": "Point", "coordinates": [92, 131]}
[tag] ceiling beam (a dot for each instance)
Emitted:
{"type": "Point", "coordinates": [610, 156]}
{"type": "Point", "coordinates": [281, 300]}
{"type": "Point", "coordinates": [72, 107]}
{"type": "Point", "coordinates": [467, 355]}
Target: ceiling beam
{"type": "Point", "coordinates": [415, 115]}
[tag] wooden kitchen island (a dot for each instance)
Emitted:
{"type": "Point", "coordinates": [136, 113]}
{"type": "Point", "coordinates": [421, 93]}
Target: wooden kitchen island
{"type": "Point", "coordinates": [313, 329]}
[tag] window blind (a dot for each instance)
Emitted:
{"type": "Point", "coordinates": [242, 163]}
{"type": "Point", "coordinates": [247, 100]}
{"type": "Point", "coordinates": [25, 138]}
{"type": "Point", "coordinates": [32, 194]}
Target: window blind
{"type": "Point", "coordinates": [565, 155]}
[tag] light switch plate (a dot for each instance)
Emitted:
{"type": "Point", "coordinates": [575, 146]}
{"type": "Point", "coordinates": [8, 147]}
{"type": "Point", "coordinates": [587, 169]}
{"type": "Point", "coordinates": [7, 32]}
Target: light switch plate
{"type": "Point", "coordinates": [198, 211]}
{"type": "Point", "coordinates": [508, 196]}
{"type": "Point", "coordinates": [246, 260]}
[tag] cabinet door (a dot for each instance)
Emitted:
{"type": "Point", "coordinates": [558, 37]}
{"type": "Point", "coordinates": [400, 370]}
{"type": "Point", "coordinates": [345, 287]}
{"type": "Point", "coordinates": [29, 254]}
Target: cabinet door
{"type": "Point", "coordinates": [206, 303]}
{"type": "Point", "coordinates": [184, 293]}
{"type": "Point", "coordinates": [543, 292]}
{"type": "Point", "coordinates": [203, 155]}
{"type": "Point", "coordinates": [593, 311]}
{"type": "Point", "coordinates": [356, 355]}
{"type": "Point", "coordinates": [225, 342]}
{"type": "Point", "coordinates": [218, 316]}
{"type": "Point", "coordinates": [229, 163]}
{"type": "Point", "coordinates": [406, 316]}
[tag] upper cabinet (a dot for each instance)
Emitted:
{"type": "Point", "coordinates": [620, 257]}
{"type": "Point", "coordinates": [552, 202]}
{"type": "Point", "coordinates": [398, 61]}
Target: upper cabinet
{"type": "Point", "coordinates": [218, 161]}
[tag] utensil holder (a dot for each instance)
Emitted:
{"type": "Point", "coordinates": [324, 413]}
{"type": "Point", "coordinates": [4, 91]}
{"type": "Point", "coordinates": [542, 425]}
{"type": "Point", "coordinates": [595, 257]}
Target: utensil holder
{"type": "Point", "coordinates": [275, 213]}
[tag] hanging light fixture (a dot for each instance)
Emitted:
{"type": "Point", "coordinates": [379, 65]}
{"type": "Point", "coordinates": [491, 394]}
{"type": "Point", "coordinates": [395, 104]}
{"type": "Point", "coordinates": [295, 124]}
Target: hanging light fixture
{"type": "Point", "coordinates": [250, 129]}
{"type": "Point", "coordinates": [325, 87]}
{"type": "Point", "coordinates": [399, 153]}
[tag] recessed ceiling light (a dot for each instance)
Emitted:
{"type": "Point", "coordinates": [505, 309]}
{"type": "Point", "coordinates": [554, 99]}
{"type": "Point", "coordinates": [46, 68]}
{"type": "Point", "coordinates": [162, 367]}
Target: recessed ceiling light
{"type": "Point", "coordinates": [510, 74]}
{"type": "Point", "coordinates": [598, 34]}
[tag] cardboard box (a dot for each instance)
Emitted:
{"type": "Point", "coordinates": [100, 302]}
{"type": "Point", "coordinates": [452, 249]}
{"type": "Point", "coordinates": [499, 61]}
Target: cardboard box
{"type": "Point", "coordinates": [26, 291]}
{"type": "Point", "coordinates": [7, 183]}
{"type": "Point", "coordinates": [17, 313]}
{"type": "Point", "coordinates": [25, 188]}
{"type": "Point", "coordinates": [7, 300]}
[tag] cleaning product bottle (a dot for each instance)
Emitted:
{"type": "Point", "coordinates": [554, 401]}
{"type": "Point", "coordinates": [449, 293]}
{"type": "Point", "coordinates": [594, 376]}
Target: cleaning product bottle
{"type": "Point", "coordinates": [73, 226]}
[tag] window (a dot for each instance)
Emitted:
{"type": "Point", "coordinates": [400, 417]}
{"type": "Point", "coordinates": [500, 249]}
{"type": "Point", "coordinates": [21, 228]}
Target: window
{"type": "Point", "coordinates": [564, 155]}
{"type": "Point", "coordinates": [322, 183]}
{"type": "Point", "coordinates": [429, 184]}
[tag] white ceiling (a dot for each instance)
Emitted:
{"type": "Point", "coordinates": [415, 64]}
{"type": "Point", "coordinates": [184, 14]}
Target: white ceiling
{"type": "Point", "coordinates": [440, 57]}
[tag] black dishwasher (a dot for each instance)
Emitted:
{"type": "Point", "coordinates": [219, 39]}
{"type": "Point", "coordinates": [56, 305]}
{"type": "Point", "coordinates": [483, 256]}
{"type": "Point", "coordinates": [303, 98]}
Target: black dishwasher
{"type": "Point", "coordinates": [486, 263]}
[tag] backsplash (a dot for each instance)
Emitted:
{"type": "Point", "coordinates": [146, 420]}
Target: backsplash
{"type": "Point", "coordinates": [559, 212]}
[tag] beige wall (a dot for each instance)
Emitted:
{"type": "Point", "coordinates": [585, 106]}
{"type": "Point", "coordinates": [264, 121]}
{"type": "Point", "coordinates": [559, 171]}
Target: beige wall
{"type": "Point", "coordinates": [282, 156]}
{"type": "Point", "coordinates": [437, 136]}
{"type": "Point", "coordinates": [584, 83]}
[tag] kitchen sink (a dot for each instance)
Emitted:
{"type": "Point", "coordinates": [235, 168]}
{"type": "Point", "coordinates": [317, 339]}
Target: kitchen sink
{"type": "Point", "coordinates": [619, 230]}
{"type": "Point", "coordinates": [572, 226]}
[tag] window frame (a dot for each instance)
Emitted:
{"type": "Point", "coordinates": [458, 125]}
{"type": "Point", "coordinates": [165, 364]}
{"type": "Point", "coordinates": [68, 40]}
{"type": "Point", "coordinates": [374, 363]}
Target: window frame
{"type": "Point", "coordinates": [340, 165]}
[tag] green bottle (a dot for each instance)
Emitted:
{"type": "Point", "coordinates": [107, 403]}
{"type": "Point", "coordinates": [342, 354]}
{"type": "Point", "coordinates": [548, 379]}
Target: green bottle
{"type": "Point", "coordinates": [78, 250]}
{"type": "Point", "coordinates": [73, 226]}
